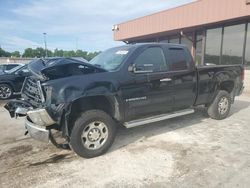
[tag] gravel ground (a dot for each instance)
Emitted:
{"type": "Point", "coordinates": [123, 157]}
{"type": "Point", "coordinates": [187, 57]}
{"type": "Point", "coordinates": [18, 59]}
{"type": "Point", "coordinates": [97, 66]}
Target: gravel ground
{"type": "Point", "coordinates": [189, 151]}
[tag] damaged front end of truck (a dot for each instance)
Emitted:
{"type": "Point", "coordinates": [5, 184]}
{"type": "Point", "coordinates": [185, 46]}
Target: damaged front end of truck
{"type": "Point", "coordinates": [47, 95]}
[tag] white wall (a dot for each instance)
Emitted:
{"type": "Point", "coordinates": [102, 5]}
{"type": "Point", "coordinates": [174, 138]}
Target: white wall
{"type": "Point", "coordinates": [15, 60]}
{"type": "Point", "coordinates": [247, 82]}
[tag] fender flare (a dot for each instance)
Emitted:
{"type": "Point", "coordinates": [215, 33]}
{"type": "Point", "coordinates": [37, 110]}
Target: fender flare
{"type": "Point", "coordinates": [219, 79]}
{"type": "Point", "coordinates": [118, 112]}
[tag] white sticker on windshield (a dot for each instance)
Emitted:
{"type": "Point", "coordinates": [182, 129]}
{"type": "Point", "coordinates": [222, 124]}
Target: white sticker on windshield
{"type": "Point", "coordinates": [122, 52]}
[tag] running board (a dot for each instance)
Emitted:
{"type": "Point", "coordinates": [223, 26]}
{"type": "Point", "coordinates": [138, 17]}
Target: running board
{"type": "Point", "coordinates": [157, 118]}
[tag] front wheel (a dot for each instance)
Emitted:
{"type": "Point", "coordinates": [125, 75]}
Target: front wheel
{"type": "Point", "coordinates": [6, 91]}
{"type": "Point", "coordinates": [93, 134]}
{"type": "Point", "coordinates": [220, 107]}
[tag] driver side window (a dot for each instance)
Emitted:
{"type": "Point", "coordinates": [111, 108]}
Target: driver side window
{"type": "Point", "coordinates": [151, 59]}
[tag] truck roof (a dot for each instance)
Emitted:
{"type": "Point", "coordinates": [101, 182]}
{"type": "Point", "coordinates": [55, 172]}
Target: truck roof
{"type": "Point", "coordinates": [152, 43]}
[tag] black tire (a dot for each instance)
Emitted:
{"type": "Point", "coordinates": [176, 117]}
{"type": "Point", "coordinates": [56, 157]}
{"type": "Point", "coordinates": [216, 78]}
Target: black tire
{"type": "Point", "coordinates": [220, 107]}
{"type": "Point", "coordinates": [87, 125]}
{"type": "Point", "coordinates": [6, 91]}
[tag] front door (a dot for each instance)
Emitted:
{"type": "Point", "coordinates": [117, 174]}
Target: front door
{"type": "Point", "coordinates": [149, 91]}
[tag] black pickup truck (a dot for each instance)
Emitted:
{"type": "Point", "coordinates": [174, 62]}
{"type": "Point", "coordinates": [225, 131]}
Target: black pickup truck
{"type": "Point", "coordinates": [129, 85]}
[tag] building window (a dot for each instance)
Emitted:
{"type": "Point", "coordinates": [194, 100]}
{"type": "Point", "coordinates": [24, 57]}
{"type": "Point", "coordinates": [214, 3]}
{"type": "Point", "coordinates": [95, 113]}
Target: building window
{"type": "Point", "coordinates": [247, 55]}
{"type": "Point", "coordinates": [233, 40]}
{"type": "Point", "coordinates": [175, 40]}
{"type": "Point", "coordinates": [198, 48]}
{"type": "Point", "coordinates": [187, 40]}
{"type": "Point", "coordinates": [213, 46]}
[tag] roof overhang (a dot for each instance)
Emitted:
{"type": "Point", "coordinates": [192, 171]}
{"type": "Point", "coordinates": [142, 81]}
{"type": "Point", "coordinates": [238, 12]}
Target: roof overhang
{"type": "Point", "coordinates": [193, 15]}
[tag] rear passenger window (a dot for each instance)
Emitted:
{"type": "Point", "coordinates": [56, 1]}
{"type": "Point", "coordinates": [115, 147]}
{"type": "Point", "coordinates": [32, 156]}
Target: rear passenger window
{"type": "Point", "coordinates": [151, 59]}
{"type": "Point", "coordinates": [178, 60]}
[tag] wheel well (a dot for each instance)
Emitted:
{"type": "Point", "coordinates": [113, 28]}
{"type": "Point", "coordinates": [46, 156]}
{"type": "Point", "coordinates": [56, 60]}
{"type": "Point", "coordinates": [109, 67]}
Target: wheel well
{"type": "Point", "coordinates": [227, 86]}
{"type": "Point", "coordinates": [90, 103]}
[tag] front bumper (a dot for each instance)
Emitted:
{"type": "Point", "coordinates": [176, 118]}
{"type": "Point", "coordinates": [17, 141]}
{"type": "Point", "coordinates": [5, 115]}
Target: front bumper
{"type": "Point", "coordinates": [40, 117]}
{"type": "Point", "coordinates": [37, 132]}
{"type": "Point", "coordinates": [36, 122]}
{"type": "Point", "coordinates": [36, 119]}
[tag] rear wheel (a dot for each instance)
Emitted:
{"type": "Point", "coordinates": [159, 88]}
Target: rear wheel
{"type": "Point", "coordinates": [220, 107]}
{"type": "Point", "coordinates": [6, 91]}
{"type": "Point", "coordinates": [93, 133]}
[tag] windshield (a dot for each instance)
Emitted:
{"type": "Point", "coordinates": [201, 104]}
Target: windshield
{"type": "Point", "coordinates": [110, 59]}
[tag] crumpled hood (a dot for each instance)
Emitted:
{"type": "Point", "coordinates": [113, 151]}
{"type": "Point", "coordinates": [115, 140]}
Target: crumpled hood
{"type": "Point", "coordinates": [53, 68]}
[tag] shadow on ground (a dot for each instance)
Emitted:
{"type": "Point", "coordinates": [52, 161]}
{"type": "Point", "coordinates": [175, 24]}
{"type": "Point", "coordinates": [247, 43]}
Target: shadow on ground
{"type": "Point", "coordinates": [127, 136]}
{"type": "Point", "coordinates": [53, 159]}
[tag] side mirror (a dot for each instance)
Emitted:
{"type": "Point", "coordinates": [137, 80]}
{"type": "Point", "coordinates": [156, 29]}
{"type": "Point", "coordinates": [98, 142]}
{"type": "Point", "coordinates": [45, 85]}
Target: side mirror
{"type": "Point", "coordinates": [145, 68]}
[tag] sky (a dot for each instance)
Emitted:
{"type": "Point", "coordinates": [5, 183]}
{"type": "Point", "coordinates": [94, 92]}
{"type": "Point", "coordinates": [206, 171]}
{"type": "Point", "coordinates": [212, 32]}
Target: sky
{"type": "Point", "coordinates": [70, 24]}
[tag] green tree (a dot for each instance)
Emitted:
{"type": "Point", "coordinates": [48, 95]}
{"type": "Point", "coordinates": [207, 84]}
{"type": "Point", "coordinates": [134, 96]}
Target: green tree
{"type": "Point", "coordinates": [70, 53]}
{"type": "Point", "coordinates": [49, 53]}
{"type": "Point", "coordinates": [15, 54]}
{"type": "Point", "coordinates": [4, 53]}
{"type": "Point", "coordinates": [28, 52]}
{"type": "Point", "coordinates": [91, 55]}
{"type": "Point", "coordinates": [83, 54]}
{"type": "Point", "coordinates": [58, 53]}
{"type": "Point", "coordinates": [38, 52]}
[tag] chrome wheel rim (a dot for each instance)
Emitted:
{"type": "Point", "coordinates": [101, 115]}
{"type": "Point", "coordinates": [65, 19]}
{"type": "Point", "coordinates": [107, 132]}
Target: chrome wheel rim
{"type": "Point", "coordinates": [94, 135]}
{"type": "Point", "coordinates": [223, 105]}
{"type": "Point", "coordinates": [5, 92]}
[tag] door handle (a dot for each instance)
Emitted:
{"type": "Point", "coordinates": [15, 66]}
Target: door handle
{"type": "Point", "coordinates": [165, 80]}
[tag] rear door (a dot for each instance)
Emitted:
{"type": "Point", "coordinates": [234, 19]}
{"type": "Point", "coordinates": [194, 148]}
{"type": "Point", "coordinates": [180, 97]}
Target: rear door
{"type": "Point", "coordinates": [184, 77]}
{"type": "Point", "coordinates": [150, 92]}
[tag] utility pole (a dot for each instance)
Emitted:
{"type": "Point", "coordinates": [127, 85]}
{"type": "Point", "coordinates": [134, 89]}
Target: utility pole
{"type": "Point", "coordinates": [45, 44]}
